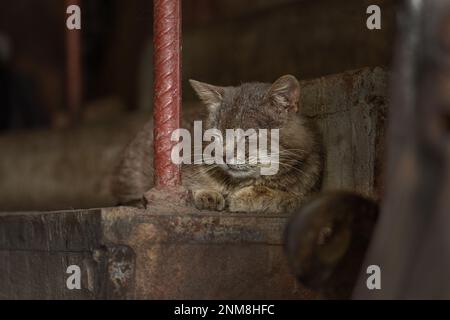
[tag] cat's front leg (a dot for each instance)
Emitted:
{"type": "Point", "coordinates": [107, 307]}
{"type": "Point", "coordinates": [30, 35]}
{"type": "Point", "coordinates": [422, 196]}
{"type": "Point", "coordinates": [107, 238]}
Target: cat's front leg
{"type": "Point", "coordinates": [208, 200]}
{"type": "Point", "coordinates": [261, 199]}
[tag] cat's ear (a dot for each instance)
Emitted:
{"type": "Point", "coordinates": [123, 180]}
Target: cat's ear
{"type": "Point", "coordinates": [211, 95]}
{"type": "Point", "coordinates": [286, 92]}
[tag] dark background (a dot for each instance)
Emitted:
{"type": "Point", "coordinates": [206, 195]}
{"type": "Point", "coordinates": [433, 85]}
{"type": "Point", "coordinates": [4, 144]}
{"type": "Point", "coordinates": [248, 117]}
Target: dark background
{"type": "Point", "coordinates": [224, 42]}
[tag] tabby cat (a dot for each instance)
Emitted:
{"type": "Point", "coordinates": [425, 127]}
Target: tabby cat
{"type": "Point", "coordinates": [233, 187]}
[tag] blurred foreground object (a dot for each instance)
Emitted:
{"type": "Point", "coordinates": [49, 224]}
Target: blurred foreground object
{"type": "Point", "coordinates": [411, 243]}
{"type": "Point", "coordinates": [327, 239]}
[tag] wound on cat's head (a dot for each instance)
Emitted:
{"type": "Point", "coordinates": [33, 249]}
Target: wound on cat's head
{"type": "Point", "coordinates": [250, 106]}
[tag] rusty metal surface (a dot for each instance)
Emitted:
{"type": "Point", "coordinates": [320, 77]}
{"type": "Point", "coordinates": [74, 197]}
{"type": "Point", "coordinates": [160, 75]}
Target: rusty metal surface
{"type": "Point", "coordinates": [146, 254]}
{"type": "Point", "coordinates": [184, 225]}
{"type": "Point", "coordinates": [167, 88]}
{"type": "Point", "coordinates": [74, 76]}
{"type": "Point", "coordinates": [116, 276]}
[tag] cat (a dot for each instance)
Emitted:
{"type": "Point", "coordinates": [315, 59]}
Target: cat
{"type": "Point", "coordinates": [239, 188]}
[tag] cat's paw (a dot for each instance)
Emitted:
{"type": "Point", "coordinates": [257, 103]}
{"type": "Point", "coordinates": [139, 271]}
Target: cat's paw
{"type": "Point", "coordinates": [260, 199]}
{"type": "Point", "coordinates": [208, 200]}
{"type": "Point", "coordinates": [250, 199]}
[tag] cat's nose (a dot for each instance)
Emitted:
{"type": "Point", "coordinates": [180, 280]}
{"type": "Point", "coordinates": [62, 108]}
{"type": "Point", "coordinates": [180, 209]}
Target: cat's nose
{"type": "Point", "coordinates": [229, 159]}
{"type": "Point", "coordinates": [232, 160]}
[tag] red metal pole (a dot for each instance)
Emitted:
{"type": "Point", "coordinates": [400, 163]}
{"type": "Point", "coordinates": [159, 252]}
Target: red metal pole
{"type": "Point", "coordinates": [167, 89]}
{"type": "Point", "coordinates": [74, 74]}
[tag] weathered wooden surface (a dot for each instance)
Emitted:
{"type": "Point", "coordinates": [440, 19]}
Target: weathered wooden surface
{"type": "Point", "coordinates": [44, 170]}
{"type": "Point", "coordinates": [350, 109]}
{"type": "Point", "coordinates": [153, 254]}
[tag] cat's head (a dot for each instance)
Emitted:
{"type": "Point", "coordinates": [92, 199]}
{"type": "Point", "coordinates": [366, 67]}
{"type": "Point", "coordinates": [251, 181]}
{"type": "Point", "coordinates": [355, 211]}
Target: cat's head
{"type": "Point", "coordinates": [250, 106]}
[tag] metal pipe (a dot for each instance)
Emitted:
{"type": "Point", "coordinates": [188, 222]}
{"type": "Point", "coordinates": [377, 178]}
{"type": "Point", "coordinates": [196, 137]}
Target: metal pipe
{"type": "Point", "coordinates": [74, 89]}
{"type": "Point", "coordinates": [167, 89]}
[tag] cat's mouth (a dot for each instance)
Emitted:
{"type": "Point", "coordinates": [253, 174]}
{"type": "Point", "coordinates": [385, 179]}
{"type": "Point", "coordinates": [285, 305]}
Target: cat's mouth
{"type": "Point", "coordinates": [240, 170]}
